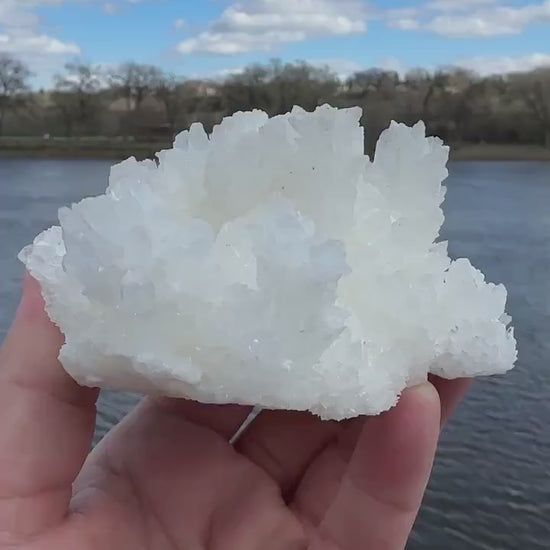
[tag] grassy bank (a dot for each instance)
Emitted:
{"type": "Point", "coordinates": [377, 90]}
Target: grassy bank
{"type": "Point", "coordinates": [486, 151]}
{"type": "Point", "coordinates": [74, 148]}
{"type": "Point", "coordinates": [118, 149]}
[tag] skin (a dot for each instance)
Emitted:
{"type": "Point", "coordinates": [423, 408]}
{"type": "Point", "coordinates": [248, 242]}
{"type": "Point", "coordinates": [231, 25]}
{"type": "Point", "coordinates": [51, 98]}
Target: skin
{"type": "Point", "coordinates": [167, 478]}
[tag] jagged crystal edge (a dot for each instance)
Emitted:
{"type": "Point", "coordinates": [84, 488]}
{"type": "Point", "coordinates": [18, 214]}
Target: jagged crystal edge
{"type": "Point", "coordinates": [271, 263]}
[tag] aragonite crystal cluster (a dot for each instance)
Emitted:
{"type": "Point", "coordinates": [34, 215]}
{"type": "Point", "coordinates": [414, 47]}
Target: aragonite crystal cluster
{"type": "Point", "coordinates": [271, 263]}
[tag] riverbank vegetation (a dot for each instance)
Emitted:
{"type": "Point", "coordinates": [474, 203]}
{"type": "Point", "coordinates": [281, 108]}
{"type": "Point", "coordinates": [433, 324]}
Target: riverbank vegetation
{"type": "Point", "coordinates": [135, 108]}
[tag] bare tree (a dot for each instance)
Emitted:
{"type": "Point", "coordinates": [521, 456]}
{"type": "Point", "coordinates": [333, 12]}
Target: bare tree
{"type": "Point", "coordinates": [417, 84]}
{"type": "Point", "coordinates": [301, 84]}
{"type": "Point", "coordinates": [75, 95]}
{"type": "Point", "coordinates": [534, 90]}
{"type": "Point", "coordinates": [456, 104]}
{"type": "Point", "coordinates": [379, 82]}
{"type": "Point", "coordinates": [177, 95]}
{"type": "Point", "coordinates": [134, 82]}
{"type": "Point", "coordinates": [277, 87]}
{"type": "Point", "coordinates": [66, 107]}
{"type": "Point", "coordinates": [443, 104]}
{"type": "Point", "coordinates": [14, 76]}
{"type": "Point", "coordinates": [247, 90]}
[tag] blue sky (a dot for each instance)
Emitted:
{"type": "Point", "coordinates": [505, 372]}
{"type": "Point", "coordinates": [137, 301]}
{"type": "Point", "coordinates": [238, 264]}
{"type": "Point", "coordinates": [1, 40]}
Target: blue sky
{"type": "Point", "coordinates": [213, 37]}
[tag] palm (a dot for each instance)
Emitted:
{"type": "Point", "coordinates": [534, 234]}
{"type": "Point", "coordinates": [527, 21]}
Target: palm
{"type": "Point", "coordinates": [167, 476]}
{"type": "Point", "coordinates": [183, 486]}
{"type": "Point", "coordinates": [170, 476]}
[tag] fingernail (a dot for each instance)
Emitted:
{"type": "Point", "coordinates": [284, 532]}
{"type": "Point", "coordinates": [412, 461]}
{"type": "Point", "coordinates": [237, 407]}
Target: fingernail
{"type": "Point", "coordinates": [426, 390]}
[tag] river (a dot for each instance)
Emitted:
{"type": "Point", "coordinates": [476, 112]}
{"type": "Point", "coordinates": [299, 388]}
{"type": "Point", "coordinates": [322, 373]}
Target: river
{"type": "Point", "coordinates": [490, 487]}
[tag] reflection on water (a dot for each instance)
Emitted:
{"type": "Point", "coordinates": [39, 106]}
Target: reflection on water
{"type": "Point", "coordinates": [491, 483]}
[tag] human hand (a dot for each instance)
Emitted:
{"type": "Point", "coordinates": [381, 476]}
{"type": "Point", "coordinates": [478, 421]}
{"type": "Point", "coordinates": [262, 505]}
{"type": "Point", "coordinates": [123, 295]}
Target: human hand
{"type": "Point", "coordinates": [167, 478]}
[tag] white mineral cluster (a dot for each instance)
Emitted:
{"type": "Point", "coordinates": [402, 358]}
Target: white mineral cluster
{"type": "Point", "coordinates": [271, 263]}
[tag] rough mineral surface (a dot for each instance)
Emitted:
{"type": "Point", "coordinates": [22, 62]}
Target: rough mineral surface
{"type": "Point", "coordinates": [273, 264]}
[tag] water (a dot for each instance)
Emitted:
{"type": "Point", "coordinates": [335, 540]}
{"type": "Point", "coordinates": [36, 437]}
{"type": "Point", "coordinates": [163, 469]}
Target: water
{"type": "Point", "coordinates": [491, 483]}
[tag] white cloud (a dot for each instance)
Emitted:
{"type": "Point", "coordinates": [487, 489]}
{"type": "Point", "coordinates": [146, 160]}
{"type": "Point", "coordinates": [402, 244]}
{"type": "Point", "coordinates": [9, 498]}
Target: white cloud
{"type": "Point", "coordinates": [180, 24]}
{"type": "Point", "coordinates": [484, 18]}
{"type": "Point", "coordinates": [237, 42]}
{"type": "Point", "coordinates": [251, 25]}
{"type": "Point", "coordinates": [43, 54]}
{"type": "Point", "coordinates": [19, 34]}
{"type": "Point", "coordinates": [485, 65]}
{"type": "Point", "coordinates": [23, 42]}
{"type": "Point", "coordinates": [405, 24]}
{"type": "Point", "coordinates": [469, 26]}
{"type": "Point", "coordinates": [398, 13]}
{"type": "Point", "coordinates": [458, 5]}
{"type": "Point", "coordinates": [22, 35]}
{"type": "Point", "coordinates": [110, 9]}
{"type": "Point", "coordinates": [406, 19]}
{"type": "Point", "coordinates": [16, 14]}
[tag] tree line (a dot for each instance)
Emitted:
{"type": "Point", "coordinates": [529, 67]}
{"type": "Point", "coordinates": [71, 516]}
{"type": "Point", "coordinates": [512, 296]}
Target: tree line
{"type": "Point", "coordinates": [138, 101]}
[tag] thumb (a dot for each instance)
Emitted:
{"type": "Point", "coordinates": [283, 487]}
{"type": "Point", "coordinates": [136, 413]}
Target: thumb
{"type": "Point", "coordinates": [46, 423]}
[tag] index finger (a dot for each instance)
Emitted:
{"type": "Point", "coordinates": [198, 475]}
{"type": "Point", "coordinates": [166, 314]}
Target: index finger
{"type": "Point", "coordinates": [451, 393]}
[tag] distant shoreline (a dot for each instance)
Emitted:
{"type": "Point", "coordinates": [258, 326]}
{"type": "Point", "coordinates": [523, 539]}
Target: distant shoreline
{"type": "Point", "coordinates": [79, 148]}
{"type": "Point", "coordinates": [486, 151]}
{"type": "Point", "coordinates": [119, 149]}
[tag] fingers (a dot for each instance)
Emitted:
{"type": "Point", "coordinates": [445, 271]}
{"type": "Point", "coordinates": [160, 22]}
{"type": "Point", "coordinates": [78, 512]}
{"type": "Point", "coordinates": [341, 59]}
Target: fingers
{"type": "Point", "coordinates": [371, 499]}
{"type": "Point", "coordinates": [46, 423]}
{"type": "Point", "coordinates": [451, 392]}
{"type": "Point", "coordinates": [284, 443]}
